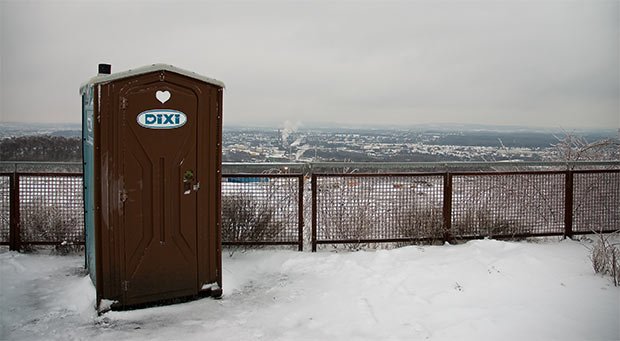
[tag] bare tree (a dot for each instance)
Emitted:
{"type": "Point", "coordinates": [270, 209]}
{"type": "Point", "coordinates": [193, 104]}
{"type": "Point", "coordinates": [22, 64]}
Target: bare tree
{"type": "Point", "coordinates": [571, 147]}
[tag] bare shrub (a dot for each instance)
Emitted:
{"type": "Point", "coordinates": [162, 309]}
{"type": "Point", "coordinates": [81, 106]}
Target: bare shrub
{"type": "Point", "coordinates": [246, 221]}
{"type": "Point", "coordinates": [349, 221]}
{"type": "Point", "coordinates": [605, 257]}
{"type": "Point", "coordinates": [420, 225]}
{"type": "Point", "coordinates": [484, 223]}
{"type": "Point", "coordinates": [43, 222]}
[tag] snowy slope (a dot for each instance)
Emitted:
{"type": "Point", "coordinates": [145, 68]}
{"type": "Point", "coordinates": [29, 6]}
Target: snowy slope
{"type": "Point", "coordinates": [481, 290]}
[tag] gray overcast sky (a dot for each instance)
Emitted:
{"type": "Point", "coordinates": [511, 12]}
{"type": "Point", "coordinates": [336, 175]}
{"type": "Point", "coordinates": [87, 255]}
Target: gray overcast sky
{"type": "Point", "coordinates": [536, 63]}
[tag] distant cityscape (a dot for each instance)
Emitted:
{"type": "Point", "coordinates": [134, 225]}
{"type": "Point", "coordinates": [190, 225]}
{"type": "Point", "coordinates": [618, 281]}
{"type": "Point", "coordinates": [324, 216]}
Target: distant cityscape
{"type": "Point", "coordinates": [391, 145]}
{"type": "Point", "coordinates": [416, 144]}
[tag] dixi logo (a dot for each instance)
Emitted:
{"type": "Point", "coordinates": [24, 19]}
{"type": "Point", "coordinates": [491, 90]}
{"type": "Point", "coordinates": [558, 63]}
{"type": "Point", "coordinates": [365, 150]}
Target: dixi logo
{"type": "Point", "coordinates": [161, 119]}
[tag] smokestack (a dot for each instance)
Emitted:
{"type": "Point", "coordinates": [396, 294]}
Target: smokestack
{"type": "Point", "coordinates": [105, 69]}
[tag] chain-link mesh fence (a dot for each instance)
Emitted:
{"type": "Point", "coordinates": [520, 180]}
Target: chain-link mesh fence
{"type": "Point", "coordinates": [5, 208]}
{"type": "Point", "coordinates": [352, 208]}
{"type": "Point", "coordinates": [507, 204]}
{"type": "Point", "coordinates": [51, 208]}
{"type": "Point", "coordinates": [596, 203]}
{"type": "Point", "coordinates": [262, 209]}
{"type": "Point", "coordinates": [364, 208]}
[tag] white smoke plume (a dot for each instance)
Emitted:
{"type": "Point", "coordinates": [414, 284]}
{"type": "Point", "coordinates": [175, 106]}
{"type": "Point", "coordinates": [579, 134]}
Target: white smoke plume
{"type": "Point", "coordinates": [288, 129]}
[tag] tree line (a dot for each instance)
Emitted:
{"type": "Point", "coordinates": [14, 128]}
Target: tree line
{"type": "Point", "coordinates": [41, 148]}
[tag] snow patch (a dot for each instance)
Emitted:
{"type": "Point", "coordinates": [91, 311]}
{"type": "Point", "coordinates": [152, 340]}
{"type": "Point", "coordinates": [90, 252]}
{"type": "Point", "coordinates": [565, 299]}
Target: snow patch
{"type": "Point", "coordinates": [210, 286]}
{"type": "Point", "coordinates": [79, 297]}
{"type": "Point", "coordinates": [105, 305]}
{"type": "Point", "coordinates": [480, 290]}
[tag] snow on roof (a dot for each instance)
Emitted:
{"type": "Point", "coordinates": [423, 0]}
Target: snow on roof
{"type": "Point", "coordinates": [147, 69]}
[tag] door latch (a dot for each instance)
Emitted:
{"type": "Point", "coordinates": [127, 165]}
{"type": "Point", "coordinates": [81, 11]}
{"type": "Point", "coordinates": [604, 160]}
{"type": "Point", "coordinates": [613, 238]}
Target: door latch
{"type": "Point", "coordinates": [188, 179]}
{"type": "Point", "coordinates": [188, 176]}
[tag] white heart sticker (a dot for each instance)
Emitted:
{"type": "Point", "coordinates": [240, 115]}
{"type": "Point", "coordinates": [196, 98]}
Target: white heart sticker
{"type": "Point", "coordinates": [162, 96]}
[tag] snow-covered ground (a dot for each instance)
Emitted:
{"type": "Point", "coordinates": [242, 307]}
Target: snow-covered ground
{"type": "Point", "coordinates": [481, 290]}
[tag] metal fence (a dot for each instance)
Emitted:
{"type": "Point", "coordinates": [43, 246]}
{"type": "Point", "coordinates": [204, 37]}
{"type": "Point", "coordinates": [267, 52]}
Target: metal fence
{"type": "Point", "coordinates": [5, 207]}
{"type": "Point", "coordinates": [596, 203]}
{"type": "Point", "coordinates": [41, 209]}
{"type": "Point", "coordinates": [508, 204]}
{"type": "Point", "coordinates": [47, 209]}
{"type": "Point", "coordinates": [354, 209]}
{"type": "Point", "coordinates": [262, 209]}
{"type": "Point", "coordinates": [366, 208]}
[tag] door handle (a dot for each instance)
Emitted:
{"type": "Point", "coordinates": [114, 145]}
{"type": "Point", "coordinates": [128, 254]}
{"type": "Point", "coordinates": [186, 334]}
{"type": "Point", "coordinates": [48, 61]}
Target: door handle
{"type": "Point", "coordinates": [188, 176]}
{"type": "Point", "coordinates": [188, 179]}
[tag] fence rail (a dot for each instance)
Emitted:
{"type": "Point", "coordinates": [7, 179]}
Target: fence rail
{"type": "Point", "coordinates": [353, 209]}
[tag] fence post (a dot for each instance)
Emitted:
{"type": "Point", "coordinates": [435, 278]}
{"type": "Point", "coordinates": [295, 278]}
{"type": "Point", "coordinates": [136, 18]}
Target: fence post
{"type": "Point", "coordinates": [14, 223]}
{"type": "Point", "coordinates": [447, 207]}
{"type": "Point", "coordinates": [314, 212]}
{"type": "Point", "coordinates": [568, 205]}
{"type": "Point", "coordinates": [300, 212]}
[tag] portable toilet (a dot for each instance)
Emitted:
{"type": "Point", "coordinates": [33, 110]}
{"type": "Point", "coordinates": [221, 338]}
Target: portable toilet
{"type": "Point", "coordinates": [152, 145]}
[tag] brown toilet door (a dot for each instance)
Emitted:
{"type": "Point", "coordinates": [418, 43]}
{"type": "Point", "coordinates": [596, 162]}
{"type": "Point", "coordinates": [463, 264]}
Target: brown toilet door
{"type": "Point", "coordinates": [159, 201]}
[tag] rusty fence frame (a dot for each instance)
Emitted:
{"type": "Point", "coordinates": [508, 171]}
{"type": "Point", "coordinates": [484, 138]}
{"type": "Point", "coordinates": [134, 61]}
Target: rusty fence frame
{"type": "Point", "coordinates": [570, 181]}
{"type": "Point", "coordinates": [448, 233]}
